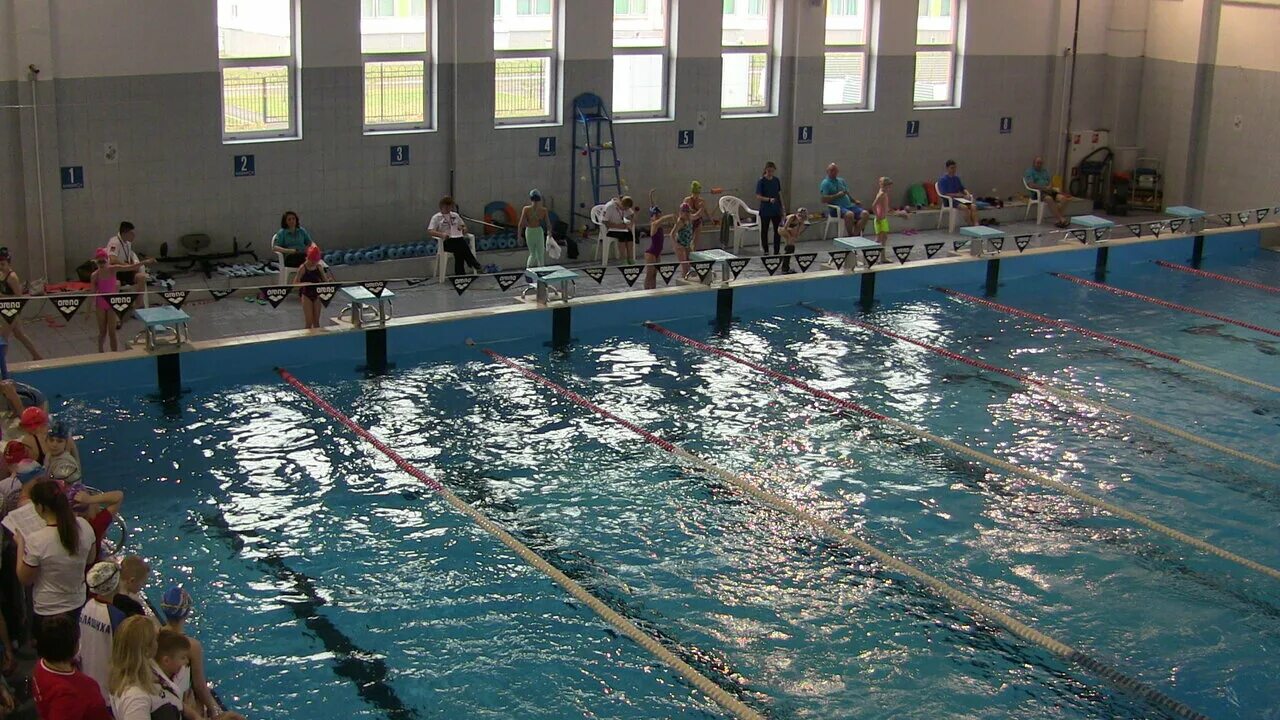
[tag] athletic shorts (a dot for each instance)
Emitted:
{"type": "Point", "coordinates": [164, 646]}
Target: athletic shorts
{"type": "Point", "coordinates": [621, 235]}
{"type": "Point", "coordinates": [126, 276]}
{"type": "Point", "coordinates": [882, 225]}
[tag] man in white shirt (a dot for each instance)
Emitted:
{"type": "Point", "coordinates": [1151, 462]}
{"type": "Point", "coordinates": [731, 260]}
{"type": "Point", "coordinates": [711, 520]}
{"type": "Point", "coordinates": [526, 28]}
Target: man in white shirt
{"type": "Point", "coordinates": [129, 266]}
{"type": "Point", "coordinates": [448, 227]}
{"type": "Point", "coordinates": [98, 621]}
{"type": "Point", "coordinates": [617, 222]}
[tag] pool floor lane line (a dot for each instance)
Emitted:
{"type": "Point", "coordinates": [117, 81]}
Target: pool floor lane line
{"type": "Point", "coordinates": [1121, 292]}
{"type": "Point", "coordinates": [1041, 385]}
{"type": "Point", "coordinates": [730, 704]}
{"type": "Point", "coordinates": [1118, 342]}
{"type": "Point", "coordinates": [1218, 276]}
{"type": "Point", "coordinates": [978, 455]}
{"type": "Point", "coordinates": [1017, 628]}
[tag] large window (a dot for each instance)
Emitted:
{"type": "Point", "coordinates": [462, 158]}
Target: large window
{"type": "Point", "coordinates": [640, 58]}
{"type": "Point", "coordinates": [746, 53]}
{"type": "Point", "coordinates": [848, 60]}
{"type": "Point", "coordinates": [526, 64]}
{"type": "Point", "coordinates": [938, 53]}
{"type": "Point", "coordinates": [258, 63]}
{"type": "Point", "coordinates": [396, 49]}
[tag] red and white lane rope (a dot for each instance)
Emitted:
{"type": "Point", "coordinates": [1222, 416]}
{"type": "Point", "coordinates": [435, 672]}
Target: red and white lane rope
{"type": "Point", "coordinates": [845, 537]}
{"type": "Point", "coordinates": [1165, 303]}
{"type": "Point", "coordinates": [978, 455]}
{"type": "Point", "coordinates": [1112, 339]}
{"type": "Point", "coordinates": [1217, 276]}
{"type": "Point", "coordinates": [1038, 384]}
{"type": "Point", "coordinates": [722, 698]}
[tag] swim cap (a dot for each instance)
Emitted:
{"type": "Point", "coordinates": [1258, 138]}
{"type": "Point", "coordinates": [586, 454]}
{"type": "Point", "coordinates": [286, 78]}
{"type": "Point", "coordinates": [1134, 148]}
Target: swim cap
{"type": "Point", "coordinates": [101, 254]}
{"type": "Point", "coordinates": [4, 253]}
{"type": "Point", "coordinates": [534, 195]}
{"type": "Point", "coordinates": [313, 253]}
{"type": "Point", "coordinates": [15, 452]}
{"type": "Point", "coordinates": [28, 470]}
{"type": "Point", "coordinates": [654, 211]}
{"type": "Point", "coordinates": [33, 417]}
{"type": "Point", "coordinates": [695, 187]}
{"type": "Point", "coordinates": [103, 578]}
{"type": "Point", "coordinates": [59, 429]}
{"type": "Point", "coordinates": [176, 603]}
{"type": "Point", "coordinates": [685, 207]}
{"type": "Point", "coordinates": [802, 212]}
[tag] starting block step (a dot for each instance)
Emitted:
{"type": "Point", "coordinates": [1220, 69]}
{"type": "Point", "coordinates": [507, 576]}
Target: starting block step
{"type": "Point", "coordinates": [1183, 211]}
{"type": "Point", "coordinates": [160, 319]}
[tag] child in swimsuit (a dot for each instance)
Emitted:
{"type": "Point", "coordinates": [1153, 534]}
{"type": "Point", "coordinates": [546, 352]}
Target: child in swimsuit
{"type": "Point", "coordinates": [104, 282]}
{"type": "Point", "coordinates": [683, 230]}
{"type": "Point", "coordinates": [532, 227]}
{"type": "Point", "coordinates": [312, 271]}
{"type": "Point", "coordinates": [657, 238]}
{"type": "Point", "coordinates": [790, 231]}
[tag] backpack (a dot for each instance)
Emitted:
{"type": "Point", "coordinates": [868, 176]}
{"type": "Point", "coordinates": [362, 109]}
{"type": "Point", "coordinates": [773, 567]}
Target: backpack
{"type": "Point", "coordinates": [931, 192]}
{"type": "Point", "coordinates": [916, 196]}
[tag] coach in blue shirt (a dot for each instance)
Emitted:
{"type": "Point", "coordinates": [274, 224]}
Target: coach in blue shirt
{"type": "Point", "coordinates": [835, 191]}
{"type": "Point", "coordinates": [951, 186]}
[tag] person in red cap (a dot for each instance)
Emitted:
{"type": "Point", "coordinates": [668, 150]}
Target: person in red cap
{"type": "Point", "coordinates": [313, 271]}
{"type": "Point", "coordinates": [35, 424]}
{"type": "Point", "coordinates": [104, 282]}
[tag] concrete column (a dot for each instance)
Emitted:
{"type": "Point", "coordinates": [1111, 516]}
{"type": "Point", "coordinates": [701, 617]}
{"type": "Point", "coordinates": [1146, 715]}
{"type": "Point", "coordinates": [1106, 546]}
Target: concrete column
{"type": "Point", "coordinates": [38, 130]}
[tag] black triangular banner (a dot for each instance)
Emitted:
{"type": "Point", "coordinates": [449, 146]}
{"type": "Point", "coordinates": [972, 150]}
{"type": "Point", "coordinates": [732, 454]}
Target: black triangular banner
{"type": "Point", "coordinates": [1022, 241]}
{"type": "Point", "coordinates": [175, 298]}
{"type": "Point", "coordinates": [838, 257]}
{"type": "Point", "coordinates": [375, 287]}
{"type": "Point", "coordinates": [737, 265]}
{"type": "Point", "coordinates": [902, 252]}
{"type": "Point", "coordinates": [1156, 228]}
{"type": "Point", "coordinates": [11, 307]}
{"type": "Point", "coordinates": [67, 305]}
{"type": "Point", "coordinates": [1135, 228]}
{"type": "Point", "coordinates": [1243, 217]}
{"type": "Point", "coordinates": [1225, 217]}
{"type": "Point", "coordinates": [931, 249]}
{"type": "Point", "coordinates": [595, 273]}
{"type": "Point", "coordinates": [1175, 225]}
{"type": "Point", "coordinates": [1262, 213]}
{"type": "Point", "coordinates": [630, 273]}
{"type": "Point", "coordinates": [220, 294]}
{"type": "Point", "coordinates": [415, 282]}
{"type": "Point", "coordinates": [804, 260]}
{"type": "Point", "coordinates": [507, 279]}
{"type": "Point", "coordinates": [1079, 235]}
{"type": "Point", "coordinates": [702, 268]}
{"type": "Point", "coordinates": [667, 271]}
{"type": "Point", "coordinates": [997, 243]}
{"type": "Point", "coordinates": [1100, 234]}
{"type": "Point", "coordinates": [872, 255]}
{"type": "Point", "coordinates": [276, 294]}
{"type": "Point", "coordinates": [120, 303]}
{"type": "Point", "coordinates": [462, 282]}
{"type": "Point", "coordinates": [958, 245]}
{"type": "Point", "coordinates": [771, 263]}
{"type": "Point", "coordinates": [325, 292]}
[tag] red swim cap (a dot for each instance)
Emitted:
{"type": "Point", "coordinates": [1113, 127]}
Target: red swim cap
{"type": "Point", "coordinates": [33, 417]}
{"type": "Point", "coordinates": [313, 253]}
{"type": "Point", "coordinates": [15, 452]}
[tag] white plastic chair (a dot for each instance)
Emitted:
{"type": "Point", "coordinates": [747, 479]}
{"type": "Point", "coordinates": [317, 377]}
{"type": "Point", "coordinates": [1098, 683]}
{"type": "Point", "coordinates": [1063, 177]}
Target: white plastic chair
{"type": "Point", "coordinates": [603, 240]}
{"type": "Point", "coordinates": [835, 219]}
{"type": "Point", "coordinates": [443, 257]}
{"type": "Point", "coordinates": [950, 206]}
{"type": "Point", "coordinates": [737, 208]}
{"type": "Point", "coordinates": [285, 272]}
{"type": "Point", "coordinates": [1037, 200]}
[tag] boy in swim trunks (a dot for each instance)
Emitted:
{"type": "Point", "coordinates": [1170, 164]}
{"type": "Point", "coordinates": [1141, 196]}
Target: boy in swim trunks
{"type": "Point", "coordinates": [880, 208]}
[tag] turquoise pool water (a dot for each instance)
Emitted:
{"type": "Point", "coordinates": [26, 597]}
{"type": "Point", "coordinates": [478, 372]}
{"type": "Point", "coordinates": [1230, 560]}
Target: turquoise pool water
{"type": "Point", "coordinates": [329, 584]}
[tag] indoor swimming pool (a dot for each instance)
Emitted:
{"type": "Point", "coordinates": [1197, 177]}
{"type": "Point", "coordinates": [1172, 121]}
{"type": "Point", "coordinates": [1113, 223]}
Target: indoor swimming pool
{"type": "Point", "coordinates": [328, 583]}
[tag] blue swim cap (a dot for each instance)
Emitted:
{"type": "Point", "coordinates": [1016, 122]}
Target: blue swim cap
{"type": "Point", "coordinates": [176, 603]}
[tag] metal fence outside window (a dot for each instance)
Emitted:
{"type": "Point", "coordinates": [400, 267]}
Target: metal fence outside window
{"type": "Point", "coordinates": [255, 101]}
{"type": "Point", "coordinates": [393, 93]}
{"type": "Point", "coordinates": [521, 88]}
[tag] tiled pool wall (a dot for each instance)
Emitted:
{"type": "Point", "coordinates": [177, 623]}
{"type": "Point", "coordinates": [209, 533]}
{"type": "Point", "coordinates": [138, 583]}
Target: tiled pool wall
{"type": "Point", "coordinates": [249, 361]}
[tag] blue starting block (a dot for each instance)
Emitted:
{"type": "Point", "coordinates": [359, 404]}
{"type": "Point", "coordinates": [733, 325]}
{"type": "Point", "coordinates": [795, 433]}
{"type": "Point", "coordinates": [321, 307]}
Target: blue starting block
{"type": "Point", "coordinates": [983, 240]}
{"type": "Point", "coordinates": [160, 321]}
{"type": "Point", "coordinates": [856, 245]}
{"type": "Point", "coordinates": [1185, 212]}
{"type": "Point", "coordinates": [379, 306]}
{"type": "Point", "coordinates": [718, 257]}
{"type": "Point", "coordinates": [548, 279]}
{"type": "Point", "coordinates": [1096, 226]}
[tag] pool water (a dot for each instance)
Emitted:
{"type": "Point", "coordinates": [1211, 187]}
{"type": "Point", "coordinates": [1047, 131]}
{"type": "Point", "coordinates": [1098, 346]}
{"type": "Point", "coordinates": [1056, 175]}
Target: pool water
{"type": "Point", "coordinates": [329, 584]}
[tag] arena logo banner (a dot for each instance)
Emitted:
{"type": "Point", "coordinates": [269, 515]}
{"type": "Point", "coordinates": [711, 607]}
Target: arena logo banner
{"type": "Point", "coordinates": [667, 271]}
{"type": "Point", "coordinates": [1135, 228]}
{"type": "Point", "coordinates": [1101, 234]}
{"type": "Point", "coordinates": [1156, 228]}
{"type": "Point", "coordinates": [1080, 235]}
{"type": "Point", "coordinates": [1243, 217]}
{"type": "Point", "coordinates": [630, 273]}
{"type": "Point", "coordinates": [325, 292]}
{"type": "Point", "coordinates": [872, 255]}
{"type": "Point", "coordinates": [1225, 217]}
{"type": "Point", "coordinates": [997, 243]}
{"type": "Point", "coordinates": [375, 287]}
{"type": "Point", "coordinates": [276, 294]}
{"type": "Point", "coordinates": [838, 258]}
{"type": "Point", "coordinates": [220, 294]}
{"type": "Point", "coordinates": [11, 307]}
{"type": "Point", "coordinates": [959, 245]}
{"type": "Point", "coordinates": [121, 303]}
{"type": "Point", "coordinates": [804, 260]}
{"type": "Point", "coordinates": [462, 282]}
{"type": "Point", "coordinates": [507, 279]}
{"type": "Point", "coordinates": [1175, 225]}
{"type": "Point", "coordinates": [737, 265]}
{"type": "Point", "coordinates": [771, 263]}
{"type": "Point", "coordinates": [702, 268]}
{"type": "Point", "coordinates": [931, 249]}
{"type": "Point", "coordinates": [67, 306]}
{"type": "Point", "coordinates": [595, 273]}
{"type": "Point", "coordinates": [902, 252]}
{"type": "Point", "coordinates": [1022, 241]}
{"type": "Point", "coordinates": [175, 298]}
{"type": "Point", "coordinates": [1262, 213]}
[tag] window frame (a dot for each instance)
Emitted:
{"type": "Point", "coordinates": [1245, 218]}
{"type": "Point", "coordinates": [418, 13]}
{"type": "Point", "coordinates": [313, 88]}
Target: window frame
{"type": "Point", "coordinates": [663, 51]}
{"type": "Point", "coordinates": [867, 48]}
{"type": "Point", "coordinates": [292, 61]}
{"type": "Point", "coordinates": [554, 72]}
{"type": "Point", "coordinates": [768, 49]}
{"type": "Point", "coordinates": [956, 51]}
{"type": "Point", "coordinates": [428, 58]}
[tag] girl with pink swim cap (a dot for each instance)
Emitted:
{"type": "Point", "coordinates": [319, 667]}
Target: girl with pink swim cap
{"type": "Point", "coordinates": [104, 282]}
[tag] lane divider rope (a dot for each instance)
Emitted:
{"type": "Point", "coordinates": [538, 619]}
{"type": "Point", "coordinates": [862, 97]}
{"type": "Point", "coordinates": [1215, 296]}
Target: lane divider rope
{"type": "Point", "coordinates": [1038, 384]}
{"type": "Point", "coordinates": [978, 455]}
{"type": "Point", "coordinates": [958, 597]}
{"type": "Point", "coordinates": [722, 698]}
{"type": "Point", "coordinates": [1165, 303]}
{"type": "Point", "coordinates": [1112, 339]}
{"type": "Point", "coordinates": [1217, 276]}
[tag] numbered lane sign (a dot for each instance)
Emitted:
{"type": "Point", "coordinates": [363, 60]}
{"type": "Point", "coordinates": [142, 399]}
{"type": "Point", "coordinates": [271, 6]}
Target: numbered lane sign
{"type": "Point", "coordinates": [684, 139]}
{"type": "Point", "coordinates": [804, 135]}
{"type": "Point", "coordinates": [244, 166]}
{"type": "Point", "coordinates": [399, 155]}
{"type": "Point", "coordinates": [72, 177]}
{"type": "Point", "coordinates": [1006, 125]}
{"type": "Point", "coordinates": [547, 146]}
{"type": "Point", "coordinates": [913, 128]}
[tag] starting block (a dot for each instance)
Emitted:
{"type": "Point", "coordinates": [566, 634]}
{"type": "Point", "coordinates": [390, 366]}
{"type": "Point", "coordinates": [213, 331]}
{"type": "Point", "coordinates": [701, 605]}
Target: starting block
{"type": "Point", "coordinates": [549, 279]}
{"type": "Point", "coordinates": [718, 257]}
{"type": "Point", "coordinates": [1182, 211]}
{"type": "Point", "coordinates": [856, 245]}
{"type": "Point", "coordinates": [163, 321]}
{"type": "Point", "coordinates": [983, 240]}
{"type": "Point", "coordinates": [379, 306]}
{"type": "Point", "coordinates": [1098, 228]}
